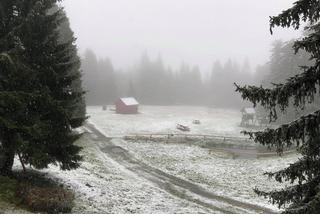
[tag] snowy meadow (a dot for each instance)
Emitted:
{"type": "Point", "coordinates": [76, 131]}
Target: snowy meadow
{"type": "Point", "coordinates": [215, 170]}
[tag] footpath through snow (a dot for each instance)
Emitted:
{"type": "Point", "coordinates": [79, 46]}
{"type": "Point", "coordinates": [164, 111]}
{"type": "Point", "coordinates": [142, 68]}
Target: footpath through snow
{"type": "Point", "coordinates": [102, 185]}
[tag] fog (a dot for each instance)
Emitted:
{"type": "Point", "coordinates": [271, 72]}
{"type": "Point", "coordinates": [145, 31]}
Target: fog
{"type": "Point", "coordinates": [159, 106]}
{"type": "Point", "coordinates": [194, 31]}
{"type": "Point", "coordinates": [174, 52]}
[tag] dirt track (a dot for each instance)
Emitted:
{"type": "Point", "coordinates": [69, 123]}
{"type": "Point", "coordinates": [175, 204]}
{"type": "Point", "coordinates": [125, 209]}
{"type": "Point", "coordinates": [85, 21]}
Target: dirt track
{"type": "Point", "coordinates": [173, 185]}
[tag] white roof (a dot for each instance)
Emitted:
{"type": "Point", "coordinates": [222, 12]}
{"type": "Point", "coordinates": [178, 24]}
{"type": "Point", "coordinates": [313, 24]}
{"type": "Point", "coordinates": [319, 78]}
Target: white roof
{"type": "Point", "coordinates": [250, 110]}
{"type": "Point", "coordinates": [129, 101]}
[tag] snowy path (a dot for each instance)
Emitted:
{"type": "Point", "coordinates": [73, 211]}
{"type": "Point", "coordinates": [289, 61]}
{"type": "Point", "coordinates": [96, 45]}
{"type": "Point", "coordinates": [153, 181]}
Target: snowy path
{"type": "Point", "coordinates": [173, 185]}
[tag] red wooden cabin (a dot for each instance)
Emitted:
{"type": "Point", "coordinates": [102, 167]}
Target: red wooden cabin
{"type": "Point", "coordinates": [127, 105]}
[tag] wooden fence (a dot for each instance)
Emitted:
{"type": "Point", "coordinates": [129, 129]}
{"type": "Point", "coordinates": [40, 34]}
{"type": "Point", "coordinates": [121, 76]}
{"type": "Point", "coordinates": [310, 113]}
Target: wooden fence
{"type": "Point", "coordinates": [240, 146]}
{"type": "Point", "coordinates": [162, 136]}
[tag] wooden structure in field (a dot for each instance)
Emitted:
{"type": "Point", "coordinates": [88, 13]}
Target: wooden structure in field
{"type": "Point", "coordinates": [127, 105]}
{"type": "Point", "coordinates": [248, 117]}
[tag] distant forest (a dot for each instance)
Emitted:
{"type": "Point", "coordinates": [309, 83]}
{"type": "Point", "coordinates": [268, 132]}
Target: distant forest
{"type": "Point", "coordinates": [283, 64]}
{"type": "Point", "coordinates": [152, 83]}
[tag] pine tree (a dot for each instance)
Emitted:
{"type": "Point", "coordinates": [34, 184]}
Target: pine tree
{"type": "Point", "coordinates": [38, 99]}
{"type": "Point", "coordinates": [303, 196]}
{"type": "Point", "coordinates": [66, 36]}
{"type": "Point", "coordinates": [91, 77]}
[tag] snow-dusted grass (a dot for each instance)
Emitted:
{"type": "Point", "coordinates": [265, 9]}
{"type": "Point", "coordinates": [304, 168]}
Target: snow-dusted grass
{"type": "Point", "coordinates": [163, 119]}
{"type": "Point", "coordinates": [103, 186]}
{"type": "Point", "coordinates": [215, 171]}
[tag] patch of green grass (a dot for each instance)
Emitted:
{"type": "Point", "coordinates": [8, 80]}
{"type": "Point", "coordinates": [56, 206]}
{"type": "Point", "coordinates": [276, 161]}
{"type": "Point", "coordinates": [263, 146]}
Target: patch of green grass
{"type": "Point", "coordinates": [8, 189]}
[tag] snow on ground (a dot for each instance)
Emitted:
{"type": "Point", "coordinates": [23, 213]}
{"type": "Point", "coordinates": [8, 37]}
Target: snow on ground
{"type": "Point", "coordinates": [163, 119]}
{"type": "Point", "coordinates": [216, 171]}
{"type": "Point", "coordinates": [103, 186]}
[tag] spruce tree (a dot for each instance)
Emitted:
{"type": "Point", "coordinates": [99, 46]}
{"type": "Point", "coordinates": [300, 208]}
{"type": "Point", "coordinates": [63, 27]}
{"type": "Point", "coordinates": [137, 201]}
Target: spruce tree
{"type": "Point", "coordinates": [66, 36]}
{"type": "Point", "coordinates": [303, 195]}
{"type": "Point", "coordinates": [38, 98]}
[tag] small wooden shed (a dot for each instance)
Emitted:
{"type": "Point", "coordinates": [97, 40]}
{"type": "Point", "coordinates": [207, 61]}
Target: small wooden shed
{"type": "Point", "coordinates": [127, 105]}
{"type": "Point", "coordinates": [248, 114]}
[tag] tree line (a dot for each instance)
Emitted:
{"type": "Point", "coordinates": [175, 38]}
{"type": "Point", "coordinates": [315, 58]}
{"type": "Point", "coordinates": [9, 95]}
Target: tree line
{"type": "Point", "coordinates": [284, 63]}
{"type": "Point", "coordinates": [154, 83]}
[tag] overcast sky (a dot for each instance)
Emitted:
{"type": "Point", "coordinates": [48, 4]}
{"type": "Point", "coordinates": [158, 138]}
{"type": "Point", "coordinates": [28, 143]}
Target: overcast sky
{"type": "Point", "coordinates": [194, 31]}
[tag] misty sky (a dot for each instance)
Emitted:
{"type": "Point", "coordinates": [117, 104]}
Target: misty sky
{"type": "Point", "coordinates": [194, 31]}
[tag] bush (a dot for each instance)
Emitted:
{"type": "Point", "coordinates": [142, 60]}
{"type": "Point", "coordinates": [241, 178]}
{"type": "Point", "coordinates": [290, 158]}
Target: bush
{"type": "Point", "coordinates": [33, 191]}
{"type": "Point", "coordinates": [46, 199]}
{"type": "Point", "coordinates": [8, 189]}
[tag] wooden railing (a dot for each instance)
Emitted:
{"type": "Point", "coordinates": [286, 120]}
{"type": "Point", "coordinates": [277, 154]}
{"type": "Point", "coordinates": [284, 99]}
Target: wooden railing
{"type": "Point", "coordinates": [146, 136]}
{"type": "Point", "coordinates": [236, 148]}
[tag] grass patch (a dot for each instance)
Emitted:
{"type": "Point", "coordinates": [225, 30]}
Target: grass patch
{"type": "Point", "coordinates": [33, 191]}
{"type": "Point", "coordinates": [8, 189]}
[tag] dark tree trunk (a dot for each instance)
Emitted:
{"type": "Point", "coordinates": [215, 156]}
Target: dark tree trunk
{"type": "Point", "coordinates": [7, 153]}
{"type": "Point", "coordinates": [6, 168]}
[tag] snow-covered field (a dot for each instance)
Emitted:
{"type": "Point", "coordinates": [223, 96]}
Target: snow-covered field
{"type": "Point", "coordinates": [106, 184]}
{"type": "Point", "coordinates": [163, 119]}
{"type": "Point", "coordinates": [216, 171]}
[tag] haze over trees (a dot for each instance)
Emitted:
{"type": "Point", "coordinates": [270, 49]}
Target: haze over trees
{"type": "Point", "coordinates": [154, 83]}
{"type": "Point", "coordinates": [99, 79]}
{"type": "Point", "coordinates": [41, 99]}
{"type": "Point", "coordinates": [283, 64]}
{"type": "Point", "coordinates": [303, 196]}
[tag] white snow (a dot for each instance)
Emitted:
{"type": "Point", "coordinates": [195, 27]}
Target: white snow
{"type": "Point", "coordinates": [102, 185]}
{"type": "Point", "coordinates": [249, 110]}
{"type": "Point", "coordinates": [129, 101]}
{"type": "Point", "coordinates": [163, 119]}
{"type": "Point", "coordinates": [215, 171]}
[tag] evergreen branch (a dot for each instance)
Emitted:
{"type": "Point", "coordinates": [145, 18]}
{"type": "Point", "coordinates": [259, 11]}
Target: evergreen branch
{"type": "Point", "coordinates": [6, 58]}
{"type": "Point", "coordinates": [302, 88]}
{"type": "Point", "coordinates": [298, 171]}
{"type": "Point", "coordinates": [312, 207]}
{"type": "Point", "coordinates": [302, 130]}
{"type": "Point", "coordinates": [303, 10]}
{"type": "Point", "coordinates": [37, 6]}
{"type": "Point", "coordinates": [310, 43]}
{"type": "Point", "coordinates": [16, 28]}
{"type": "Point", "coordinates": [304, 197]}
{"type": "Point", "coordinates": [290, 195]}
